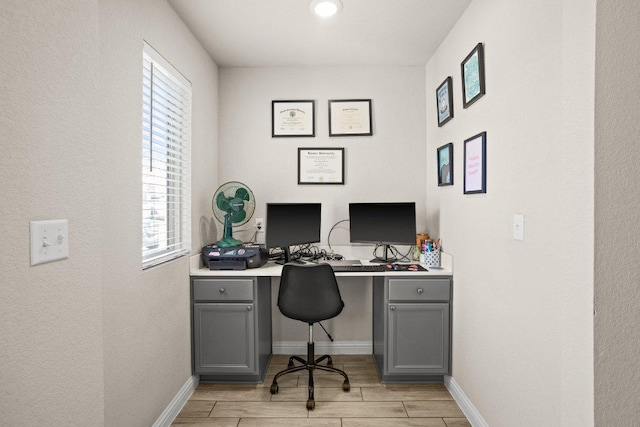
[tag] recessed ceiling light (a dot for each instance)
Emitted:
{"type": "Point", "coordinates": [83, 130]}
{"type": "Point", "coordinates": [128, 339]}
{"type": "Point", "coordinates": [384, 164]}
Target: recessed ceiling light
{"type": "Point", "coordinates": [325, 8]}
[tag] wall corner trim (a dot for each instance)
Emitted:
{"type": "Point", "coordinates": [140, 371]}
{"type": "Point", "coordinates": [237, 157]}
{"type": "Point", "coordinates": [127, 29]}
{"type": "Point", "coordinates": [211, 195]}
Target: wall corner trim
{"type": "Point", "coordinates": [173, 409]}
{"type": "Point", "coordinates": [463, 401]}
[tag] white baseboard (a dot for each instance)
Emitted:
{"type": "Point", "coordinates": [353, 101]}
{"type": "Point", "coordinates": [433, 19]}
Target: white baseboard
{"type": "Point", "coordinates": [171, 412]}
{"type": "Point", "coordinates": [323, 347]}
{"type": "Point", "coordinates": [470, 411]}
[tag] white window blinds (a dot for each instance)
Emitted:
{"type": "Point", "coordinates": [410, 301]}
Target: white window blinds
{"type": "Point", "coordinates": [166, 161]}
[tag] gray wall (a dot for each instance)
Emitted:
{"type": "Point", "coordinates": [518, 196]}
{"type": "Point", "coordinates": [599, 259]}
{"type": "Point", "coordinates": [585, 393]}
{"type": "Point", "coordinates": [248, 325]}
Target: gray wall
{"type": "Point", "coordinates": [617, 214]}
{"type": "Point", "coordinates": [522, 329]}
{"type": "Point", "coordinates": [91, 340]}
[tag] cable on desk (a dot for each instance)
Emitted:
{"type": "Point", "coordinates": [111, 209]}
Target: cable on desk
{"type": "Point", "coordinates": [394, 252]}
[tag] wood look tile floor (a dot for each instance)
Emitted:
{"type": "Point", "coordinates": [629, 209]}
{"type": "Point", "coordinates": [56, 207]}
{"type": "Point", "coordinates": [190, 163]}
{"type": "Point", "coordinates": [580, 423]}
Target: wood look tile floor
{"type": "Point", "coordinates": [368, 404]}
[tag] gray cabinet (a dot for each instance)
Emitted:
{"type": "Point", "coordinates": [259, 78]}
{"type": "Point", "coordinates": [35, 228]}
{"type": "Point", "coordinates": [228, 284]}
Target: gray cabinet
{"type": "Point", "coordinates": [411, 328]}
{"type": "Point", "coordinates": [231, 328]}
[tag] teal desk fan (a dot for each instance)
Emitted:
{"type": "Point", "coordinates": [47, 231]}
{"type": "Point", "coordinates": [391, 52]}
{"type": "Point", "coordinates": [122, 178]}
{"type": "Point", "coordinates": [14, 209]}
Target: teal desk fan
{"type": "Point", "coordinates": [233, 205]}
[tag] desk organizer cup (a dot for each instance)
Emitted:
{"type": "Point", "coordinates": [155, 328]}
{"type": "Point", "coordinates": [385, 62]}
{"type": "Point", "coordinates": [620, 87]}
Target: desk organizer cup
{"type": "Point", "coordinates": [431, 259]}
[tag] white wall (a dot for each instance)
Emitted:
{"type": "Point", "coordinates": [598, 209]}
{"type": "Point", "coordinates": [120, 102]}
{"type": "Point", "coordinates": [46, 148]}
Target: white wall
{"type": "Point", "coordinates": [617, 271]}
{"type": "Point", "coordinates": [388, 166]}
{"type": "Point", "coordinates": [147, 355]}
{"type": "Point", "coordinates": [522, 330]}
{"type": "Point", "coordinates": [92, 340]}
{"type": "Point", "coordinates": [51, 370]}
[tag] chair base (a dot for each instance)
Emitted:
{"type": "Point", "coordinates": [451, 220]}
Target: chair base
{"type": "Point", "coordinates": [311, 364]}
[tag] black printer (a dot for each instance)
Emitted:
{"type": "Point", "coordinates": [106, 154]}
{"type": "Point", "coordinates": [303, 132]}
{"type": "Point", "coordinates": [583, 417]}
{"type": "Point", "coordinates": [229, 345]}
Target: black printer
{"type": "Point", "coordinates": [234, 257]}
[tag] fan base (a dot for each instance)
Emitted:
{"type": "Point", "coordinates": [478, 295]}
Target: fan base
{"type": "Point", "coordinates": [228, 241]}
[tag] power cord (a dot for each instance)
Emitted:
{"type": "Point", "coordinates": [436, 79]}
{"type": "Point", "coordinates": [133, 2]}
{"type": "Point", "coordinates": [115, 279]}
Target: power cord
{"type": "Point", "coordinates": [397, 255]}
{"type": "Point", "coordinates": [329, 237]}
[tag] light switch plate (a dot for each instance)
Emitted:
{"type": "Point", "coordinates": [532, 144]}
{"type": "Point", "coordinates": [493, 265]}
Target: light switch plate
{"type": "Point", "coordinates": [518, 227]}
{"type": "Point", "coordinates": [49, 240]}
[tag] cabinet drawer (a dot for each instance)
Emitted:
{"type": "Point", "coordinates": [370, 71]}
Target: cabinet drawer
{"type": "Point", "coordinates": [223, 289]}
{"type": "Point", "coordinates": [419, 289]}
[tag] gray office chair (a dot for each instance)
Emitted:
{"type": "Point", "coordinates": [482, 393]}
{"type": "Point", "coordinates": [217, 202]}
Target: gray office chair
{"type": "Point", "coordinates": [309, 293]}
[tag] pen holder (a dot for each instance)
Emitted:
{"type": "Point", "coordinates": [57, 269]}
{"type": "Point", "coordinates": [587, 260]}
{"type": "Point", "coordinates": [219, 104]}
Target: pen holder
{"type": "Point", "coordinates": [431, 259]}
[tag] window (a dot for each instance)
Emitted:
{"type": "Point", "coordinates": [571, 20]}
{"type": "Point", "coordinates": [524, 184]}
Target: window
{"type": "Point", "coordinates": [166, 161]}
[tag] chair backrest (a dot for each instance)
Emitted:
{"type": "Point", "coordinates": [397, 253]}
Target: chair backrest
{"type": "Point", "coordinates": [309, 292]}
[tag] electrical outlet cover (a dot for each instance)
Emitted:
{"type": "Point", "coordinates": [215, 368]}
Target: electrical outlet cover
{"type": "Point", "coordinates": [49, 240]}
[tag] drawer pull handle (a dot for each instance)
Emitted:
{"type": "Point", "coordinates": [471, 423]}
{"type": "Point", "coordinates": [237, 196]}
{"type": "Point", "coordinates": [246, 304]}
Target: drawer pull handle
{"type": "Point", "coordinates": [392, 308]}
{"type": "Point", "coordinates": [221, 290]}
{"type": "Point", "coordinates": [249, 308]}
{"type": "Point", "coordinates": [420, 290]}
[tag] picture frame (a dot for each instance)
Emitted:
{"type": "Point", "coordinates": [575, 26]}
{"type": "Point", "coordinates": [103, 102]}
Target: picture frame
{"type": "Point", "coordinates": [293, 119]}
{"type": "Point", "coordinates": [321, 166]}
{"type": "Point", "coordinates": [444, 101]}
{"type": "Point", "coordinates": [350, 117]}
{"type": "Point", "coordinates": [473, 78]}
{"type": "Point", "coordinates": [475, 164]}
{"type": "Point", "coordinates": [445, 165]}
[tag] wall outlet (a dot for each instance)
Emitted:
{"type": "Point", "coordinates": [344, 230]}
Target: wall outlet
{"type": "Point", "coordinates": [260, 223]}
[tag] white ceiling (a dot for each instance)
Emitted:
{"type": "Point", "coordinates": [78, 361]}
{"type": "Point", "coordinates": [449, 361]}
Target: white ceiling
{"type": "Point", "coordinates": [285, 33]}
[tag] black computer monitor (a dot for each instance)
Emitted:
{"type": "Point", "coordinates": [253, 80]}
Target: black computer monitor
{"type": "Point", "coordinates": [383, 224]}
{"type": "Point", "coordinates": [290, 224]}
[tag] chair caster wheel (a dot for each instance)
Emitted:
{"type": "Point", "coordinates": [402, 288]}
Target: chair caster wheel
{"type": "Point", "coordinates": [290, 365]}
{"type": "Point", "coordinates": [274, 388]}
{"type": "Point", "coordinates": [329, 365]}
{"type": "Point", "coordinates": [346, 386]}
{"type": "Point", "coordinates": [311, 404]}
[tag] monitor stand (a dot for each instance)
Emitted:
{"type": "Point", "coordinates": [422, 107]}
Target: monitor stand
{"type": "Point", "coordinates": [386, 258]}
{"type": "Point", "coordinates": [287, 257]}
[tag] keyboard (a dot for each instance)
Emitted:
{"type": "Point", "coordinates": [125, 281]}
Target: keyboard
{"type": "Point", "coordinates": [358, 268]}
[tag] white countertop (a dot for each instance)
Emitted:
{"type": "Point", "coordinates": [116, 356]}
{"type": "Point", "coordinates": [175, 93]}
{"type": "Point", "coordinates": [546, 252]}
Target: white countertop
{"type": "Point", "coordinates": [271, 269]}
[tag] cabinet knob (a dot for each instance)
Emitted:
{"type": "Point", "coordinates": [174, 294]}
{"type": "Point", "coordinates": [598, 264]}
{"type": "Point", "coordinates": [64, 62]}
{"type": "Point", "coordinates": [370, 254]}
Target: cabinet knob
{"type": "Point", "coordinates": [249, 308]}
{"type": "Point", "coordinates": [392, 308]}
{"type": "Point", "coordinates": [420, 290]}
{"type": "Point", "coordinates": [221, 290]}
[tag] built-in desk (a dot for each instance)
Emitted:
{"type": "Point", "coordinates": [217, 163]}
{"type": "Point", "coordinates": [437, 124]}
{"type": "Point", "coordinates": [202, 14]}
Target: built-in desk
{"type": "Point", "coordinates": [231, 323]}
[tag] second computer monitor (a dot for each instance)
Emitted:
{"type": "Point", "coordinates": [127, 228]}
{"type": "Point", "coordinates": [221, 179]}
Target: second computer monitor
{"type": "Point", "coordinates": [383, 223]}
{"type": "Point", "coordinates": [291, 224]}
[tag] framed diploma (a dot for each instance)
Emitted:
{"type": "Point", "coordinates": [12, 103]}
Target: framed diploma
{"type": "Point", "coordinates": [475, 164]}
{"type": "Point", "coordinates": [350, 117]}
{"type": "Point", "coordinates": [320, 165]}
{"type": "Point", "coordinates": [293, 118]}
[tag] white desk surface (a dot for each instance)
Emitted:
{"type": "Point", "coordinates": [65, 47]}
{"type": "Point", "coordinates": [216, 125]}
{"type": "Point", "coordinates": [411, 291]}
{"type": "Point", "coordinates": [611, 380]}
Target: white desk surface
{"type": "Point", "coordinates": [271, 269]}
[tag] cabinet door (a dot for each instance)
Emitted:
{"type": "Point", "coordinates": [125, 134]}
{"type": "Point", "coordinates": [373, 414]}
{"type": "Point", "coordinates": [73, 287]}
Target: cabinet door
{"type": "Point", "coordinates": [418, 338]}
{"type": "Point", "coordinates": [224, 338]}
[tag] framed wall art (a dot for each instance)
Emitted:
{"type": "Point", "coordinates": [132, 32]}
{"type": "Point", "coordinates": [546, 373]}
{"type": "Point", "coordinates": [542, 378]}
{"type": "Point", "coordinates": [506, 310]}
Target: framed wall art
{"type": "Point", "coordinates": [293, 119]}
{"type": "Point", "coordinates": [475, 164]}
{"type": "Point", "coordinates": [445, 165]}
{"type": "Point", "coordinates": [320, 165]}
{"type": "Point", "coordinates": [473, 87]}
{"type": "Point", "coordinates": [350, 117]}
{"type": "Point", "coordinates": [444, 100]}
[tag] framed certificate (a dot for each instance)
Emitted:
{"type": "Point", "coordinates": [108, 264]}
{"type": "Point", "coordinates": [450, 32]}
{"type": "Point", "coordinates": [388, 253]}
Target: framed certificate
{"type": "Point", "coordinates": [320, 165]}
{"type": "Point", "coordinates": [350, 117]}
{"type": "Point", "coordinates": [293, 119]}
